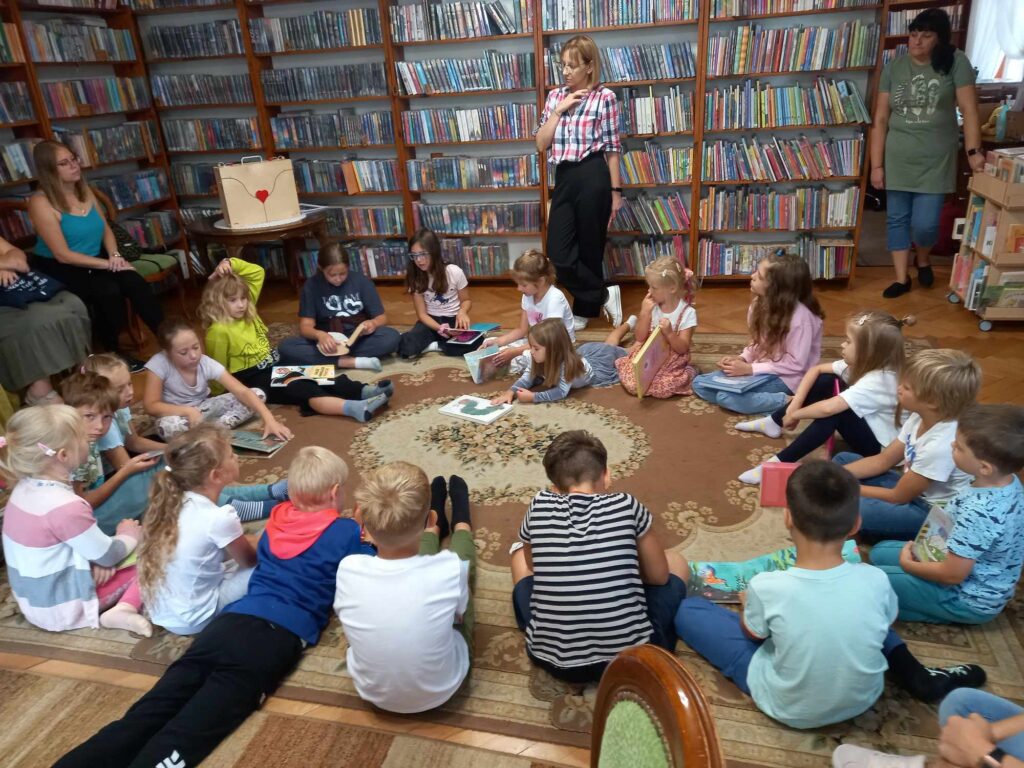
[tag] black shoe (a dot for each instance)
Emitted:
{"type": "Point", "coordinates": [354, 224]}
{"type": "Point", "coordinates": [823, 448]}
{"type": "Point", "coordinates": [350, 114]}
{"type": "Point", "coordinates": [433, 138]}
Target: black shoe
{"type": "Point", "coordinates": [925, 276]}
{"type": "Point", "coordinates": [896, 289]}
{"type": "Point", "coordinates": [941, 680]}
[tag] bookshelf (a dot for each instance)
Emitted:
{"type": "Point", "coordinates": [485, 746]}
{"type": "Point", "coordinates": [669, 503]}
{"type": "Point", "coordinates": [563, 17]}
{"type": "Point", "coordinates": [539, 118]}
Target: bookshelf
{"type": "Point", "coordinates": [897, 14]}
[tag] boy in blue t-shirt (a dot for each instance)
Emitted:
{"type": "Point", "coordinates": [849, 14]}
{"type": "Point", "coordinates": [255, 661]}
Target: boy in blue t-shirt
{"type": "Point", "coordinates": [986, 546]}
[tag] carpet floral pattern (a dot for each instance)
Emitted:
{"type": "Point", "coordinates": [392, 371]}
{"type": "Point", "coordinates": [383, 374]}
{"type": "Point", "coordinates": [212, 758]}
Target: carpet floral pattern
{"type": "Point", "coordinates": [680, 457]}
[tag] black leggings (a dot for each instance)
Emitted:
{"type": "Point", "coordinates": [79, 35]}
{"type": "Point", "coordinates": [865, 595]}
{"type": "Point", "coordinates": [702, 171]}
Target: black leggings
{"type": "Point", "coordinates": [853, 429]}
{"type": "Point", "coordinates": [104, 293]}
{"type": "Point", "coordinates": [299, 391]}
{"type": "Point", "coordinates": [419, 337]}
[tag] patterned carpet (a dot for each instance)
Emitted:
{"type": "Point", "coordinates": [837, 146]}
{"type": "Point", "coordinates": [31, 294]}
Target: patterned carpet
{"type": "Point", "coordinates": [680, 457]}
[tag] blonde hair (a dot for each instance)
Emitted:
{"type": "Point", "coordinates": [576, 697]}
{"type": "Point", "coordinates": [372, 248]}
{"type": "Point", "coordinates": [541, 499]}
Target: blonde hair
{"type": "Point", "coordinates": [559, 351]}
{"type": "Point", "coordinates": [190, 458]}
{"type": "Point", "coordinates": [532, 266]}
{"type": "Point", "coordinates": [313, 472]}
{"type": "Point", "coordinates": [90, 389]}
{"type": "Point", "coordinates": [32, 433]}
{"type": "Point", "coordinates": [45, 156]}
{"type": "Point", "coordinates": [103, 362]}
{"type": "Point", "coordinates": [213, 306]}
{"type": "Point", "coordinates": [666, 270]}
{"type": "Point", "coordinates": [394, 501]}
{"type": "Point", "coordinates": [879, 343]}
{"type": "Point", "coordinates": [946, 379]}
{"type": "Point", "coordinates": [582, 50]}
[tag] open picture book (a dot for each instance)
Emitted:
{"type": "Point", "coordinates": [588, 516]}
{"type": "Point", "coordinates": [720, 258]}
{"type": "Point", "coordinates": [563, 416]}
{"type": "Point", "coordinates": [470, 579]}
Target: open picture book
{"type": "Point", "coordinates": [476, 409]}
{"type": "Point", "coordinates": [931, 545]}
{"type": "Point", "coordinates": [253, 443]}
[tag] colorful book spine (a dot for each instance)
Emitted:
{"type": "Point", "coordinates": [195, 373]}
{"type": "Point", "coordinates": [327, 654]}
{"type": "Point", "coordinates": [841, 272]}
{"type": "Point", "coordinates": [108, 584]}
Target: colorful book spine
{"type": "Point", "coordinates": [629, 258]}
{"type": "Point", "coordinates": [643, 113]}
{"type": "Point", "coordinates": [655, 164]}
{"type": "Point", "coordinates": [899, 21]}
{"type": "Point", "coordinates": [347, 81]}
{"type": "Point", "coordinates": [455, 173]}
{"type": "Point", "coordinates": [93, 96]}
{"type": "Point", "coordinates": [14, 224]}
{"type": "Point", "coordinates": [476, 259]}
{"type": "Point", "coordinates": [753, 209]}
{"type": "Point", "coordinates": [336, 129]}
{"type": "Point", "coordinates": [200, 135]}
{"type": "Point", "coordinates": [370, 220]}
{"type": "Point", "coordinates": [193, 179]}
{"type": "Point", "coordinates": [384, 259]}
{"type": "Point", "coordinates": [157, 229]}
{"type": "Point", "coordinates": [211, 38]}
{"type": "Point", "coordinates": [350, 176]}
{"type": "Point", "coordinates": [15, 102]}
{"type": "Point", "coordinates": [653, 215]}
{"type": "Point", "coordinates": [458, 21]}
{"type": "Point", "coordinates": [773, 159]}
{"type": "Point", "coordinates": [827, 258]}
{"type": "Point", "coordinates": [584, 14]}
{"type": "Point", "coordinates": [199, 89]}
{"type": "Point", "coordinates": [724, 9]}
{"type": "Point", "coordinates": [494, 123]}
{"type": "Point", "coordinates": [133, 189]}
{"type": "Point", "coordinates": [494, 71]}
{"type": "Point", "coordinates": [477, 218]}
{"type": "Point", "coordinates": [316, 31]}
{"type": "Point", "coordinates": [753, 104]}
{"type": "Point", "coordinates": [670, 61]}
{"type": "Point", "coordinates": [112, 144]}
{"type": "Point", "coordinates": [16, 162]}
{"type": "Point", "coordinates": [753, 48]}
{"type": "Point", "coordinates": [68, 41]}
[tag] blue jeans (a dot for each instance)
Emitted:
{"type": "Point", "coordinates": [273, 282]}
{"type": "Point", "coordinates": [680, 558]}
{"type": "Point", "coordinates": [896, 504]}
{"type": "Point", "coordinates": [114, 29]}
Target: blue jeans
{"type": "Point", "coordinates": [297, 350]}
{"type": "Point", "coordinates": [912, 217]}
{"type": "Point", "coordinates": [967, 701]}
{"type": "Point", "coordinates": [883, 519]}
{"type": "Point", "coordinates": [764, 398]}
{"type": "Point", "coordinates": [716, 634]}
{"type": "Point", "coordinates": [922, 600]}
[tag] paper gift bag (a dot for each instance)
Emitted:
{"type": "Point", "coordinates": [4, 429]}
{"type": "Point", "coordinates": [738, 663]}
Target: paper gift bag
{"type": "Point", "coordinates": [255, 192]}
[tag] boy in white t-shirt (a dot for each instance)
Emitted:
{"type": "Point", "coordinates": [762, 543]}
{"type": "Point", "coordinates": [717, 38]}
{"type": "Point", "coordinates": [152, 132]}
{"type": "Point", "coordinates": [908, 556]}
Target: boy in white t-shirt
{"type": "Point", "coordinates": [407, 613]}
{"type": "Point", "coordinates": [936, 385]}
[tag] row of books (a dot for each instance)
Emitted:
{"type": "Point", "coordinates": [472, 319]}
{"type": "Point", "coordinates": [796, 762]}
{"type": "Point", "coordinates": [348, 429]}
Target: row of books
{"type": "Point", "coordinates": [383, 259]}
{"type": "Point", "coordinates": [344, 81]}
{"type": "Point", "coordinates": [112, 144]}
{"type": "Point", "coordinates": [10, 44]}
{"type": "Point", "coordinates": [351, 176]}
{"type": "Point", "coordinates": [492, 123]}
{"type": "Point", "coordinates": [366, 220]}
{"type": "Point", "coordinates": [14, 224]}
{"type": "Point", "coordinates": [153, 230]}
{"type": "Point", "coordinates": [655, 164]}
{"type": "Point", "coordinates": [316, 31]}
{"type": "Point", "coordinates": [476, 259]}
{"type": "Point", "coordinates": [671, 112]}
{"type": "Point", "coordinates": [1006, 164]}
{"type": "Point", "coordinates": [724, 9]}
{"type": "Point", "coordinates": [755, 209]}
{"type": "Point", "coordinates": [493, 71]}
{"type": "Point", "coordinates": [781, 160]}
{"type": "Point", "coordinates": [209, 38]}
{"type": "Point", "coordinates": [669, 61]}
{"type": "Point", "coordinates": [454, 173]}
{"type": "Point", "coordinates": [15, 102]}
{"type": "Point", "coordinates": [753, 104]}
{"type": "Point", "coordinates": [477, 218]}
{"type": "Point", "coordinates": [754, 48]}
{"type": "Point", "coordinates": [136, 188]}
{"type": "Point", "coordinates": [424, 20]}
{"type": "Point", "coordinates": [184, 90]}
{"type": "Point", "coordinates": [16, 163]}
{"type": "Point", "coordinates": [896, 51]}
{"type": "Point", "coordinates": [95, 95]}
{"type": "Point", "coordinates": [583, 14]}
{"type": "Point", "coordinates": [193, 178]}
{"type": "Point", "coordinates": [899, 21]}
{"type": "Point", "coordinates": [652, 214]}
{"type": "Point", "coordinates": [272, 257]}
{"type": "Point", "coordinates": [629, 258]}
{"type": "Point", "coordinates": [294, 130]}
{"type": "Point", "coordinates": [827, 259]}
{"type": "Point", "coordinates": [77, 40]}
{"type": "Point", "coordinates": [227, 133]}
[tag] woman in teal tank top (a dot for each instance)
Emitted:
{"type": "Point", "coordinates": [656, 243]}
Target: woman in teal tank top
{"type": "Point", "coordinates": [76, 247]}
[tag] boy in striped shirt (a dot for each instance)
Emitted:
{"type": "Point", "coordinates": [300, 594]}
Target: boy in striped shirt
{"type": "Point", "coordinates": [591, 578]}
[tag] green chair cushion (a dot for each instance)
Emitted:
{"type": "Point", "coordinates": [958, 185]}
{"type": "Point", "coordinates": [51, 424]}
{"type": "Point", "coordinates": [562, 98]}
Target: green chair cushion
{"type": "Point", "coordinates": [151, 263]}
{"type": "Point", "coordinates": [631, 739]}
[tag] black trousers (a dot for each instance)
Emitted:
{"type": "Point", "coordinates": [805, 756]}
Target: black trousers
{"type": "Point", "coordinates": [419, 337]}
{"type": "Point", "coordinates": [104, 294]}
{"type": "Point", "coordinates": [581, 204]}
{"type": "Point", "coordinates": [201, 699]}
{"type": "Point", "coordinates": [853, 429]}
{"type": "Point", "coordinates": [300, 391]}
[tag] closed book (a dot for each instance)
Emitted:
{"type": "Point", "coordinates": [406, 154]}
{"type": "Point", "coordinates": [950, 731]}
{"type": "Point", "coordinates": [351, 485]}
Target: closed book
{"type": "Point", "coordinates": [774, 477]}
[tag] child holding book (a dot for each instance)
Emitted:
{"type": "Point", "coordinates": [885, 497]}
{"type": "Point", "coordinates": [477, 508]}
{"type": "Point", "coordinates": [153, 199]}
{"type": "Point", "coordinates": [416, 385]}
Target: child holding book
{"type": "Point", "coordinates": [408, 612]}
{"type": "Point", "coordinates": [61, 567]}
{"type": "Point", "coordinates": [864, 412]}
{"type": "Point", "coordinates": [195, 559]}
{"type": "Point", "coordinates": [559, 368]}
{"type": "Point", "coordinates": [586, 550]}
{"type": "Point", "coordinates": [936, 385]}
{"type": "Point", "coordinates": [245, 652]}
{"type": "Point", "coordinates": [236, 338]}
{"type": "Point", "coordinates": [440, 296]}
{"type": "Point", "coordinates": [785, 324]}
{"type": "Point", "coordinates": [178, 382]}
{"type": "Point", "coordinates": [981, 568]}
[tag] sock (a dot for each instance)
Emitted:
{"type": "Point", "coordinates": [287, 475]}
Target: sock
{"type": "Point", "coordinates": [433, 347]}
{"type": "Point", "coordinates": [369, 364]}
{"type": "Point", "coordinates": [931, 684]}
{"type": "Point", "coordinates": [751, 476]}
{"type": "Point", "coordinates": [631, 322]}
{"type": "Point", "coordinates": [278, 491]}
{"type": "Point", "coordinates": [765, 425]}
{"type": "Point", "coordinates": [438, 497]}
{"type": "Point", "coordinates": [123, 616]}
{"type": "Point", "coordinates": [253, 510]}
{"type": "Point", "coordinates": [458, 492]}
{"type": "Point", "coordinates": [363, 410]}
{"type": "Point", "coordinates": [383, 387]}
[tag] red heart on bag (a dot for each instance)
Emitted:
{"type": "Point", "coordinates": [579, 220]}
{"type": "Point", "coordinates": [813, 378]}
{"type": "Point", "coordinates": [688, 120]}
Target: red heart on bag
{"type": "Point", "coordinates": [262, 195]}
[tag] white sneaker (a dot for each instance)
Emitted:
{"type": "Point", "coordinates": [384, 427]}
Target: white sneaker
{"type": "Point", "coordinates": [579, 323]}
{"type": "Point", "coordinates": [516, 546]}
{"type": "Point", "coordinates": [613, 305]}
{"type": "Point", "coordinates": [631, 322]}
{"type": "Point", "coordinates": [433, 347]}
{"type": "Point", "coordinates": [751, 476]}
{"type": "Point", "coordinates": [852, 756]}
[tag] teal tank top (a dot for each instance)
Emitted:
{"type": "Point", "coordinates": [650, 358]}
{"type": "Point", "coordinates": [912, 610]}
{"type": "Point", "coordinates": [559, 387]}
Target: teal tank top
{"type": "Point", "coordinates": [84, 234]}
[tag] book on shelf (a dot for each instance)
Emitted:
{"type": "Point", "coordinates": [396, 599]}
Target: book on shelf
{"type": "Point", "coordinates": [94, 96]}
{"type": "Point", "coordinates": [827, 258]}
{"type": "Point", "coordinates": [294, 130]}
{"type": "Point", "coordinates": [753, 104]}
{"type": "Point", "coordinates": [751, 209]}
{"type": "Point", "coordinates": [629, 258]}
{"type": "Point", "coordinates": [655, 164]}
{"type": "Point", "coordinates": [423, 21]}
{"type": "Point", "coordinates": [383, 259]}
{"type": "Point", "coordinates": [492, 123]}
{"type": "Point", "coordinates": [475, 259]}
{"type": "Point", "coordinates": [189, 89]}
{"type": "Point", "coordinates": [473, 408]}
{"type": "Point", "coordinates": [773, 159]}
{"type": "Point", "coordinates": [558, 14]}
{"type": "Point", "coordinates": [366, 220]}
{"type": "Point", "coordinates": [494, 70]}
{"type": "Point", "coordinates": [16, 162]}
{"type": "Point", "coordinates": [668, 61]}
{"type": "Point", "coordinates": [724, 9]}
{"type": "Point", "coordinates": [976, 286]}
{"type": "Point", "coordinates": [193, 178]}
{"type": "Point", "coordinates": [153, 5]}
{"type": "Point", "coordinates": [137, 140]}
{"type": "Point", "coordinates": [455, 173]}
{"type": "Point", "coordinates": [477, 218]}
{"type": "Point", "coordinates": [200, 135]}
{"type": "Point", "coordinates": [931, 545]}
{"type": "Point", "coordinates": [341, 81]}
{"type": "Point", "coordinates": [1006, 293]}
{"type": "Point", "coordinates": [899, 20]}
{"type": "Point", "coordinates": [75, 40]}
{"type": "Point", "coordinates": [208, 38]}
{"type": "Point", "coordinates": [154, 231]}
{"type": "Point", "coordinates": [15, 224]}
{"type": "Point", "coordinates": [15, 102]}
{"type": "Point", "coordinates": [888, 54]}
{"type": "Point", "coordinates": [1006, 164]}
{"type": "Point", "coordinates": [652, 214]}
{"type": "Point", "coordinates": [130, 189]}
{"type": "Point", "coordinates": [350, 175]}
{"type": "Point", "coordinates": [11, 51]}
{"type": "Point", "coordinates": [314, 31]}
{"type": "Point", "coordinates": [647, 113]}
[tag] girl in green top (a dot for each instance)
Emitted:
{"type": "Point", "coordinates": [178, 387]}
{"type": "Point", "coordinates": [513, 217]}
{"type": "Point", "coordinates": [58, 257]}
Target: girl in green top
{"type": "Point", "coordinates": [915, 138]}
{"type": "Point", "coordinates": [236, 337]}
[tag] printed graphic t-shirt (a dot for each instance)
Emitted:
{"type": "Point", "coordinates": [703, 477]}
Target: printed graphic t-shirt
{"type": "Point", "coordinates": [339, 308]}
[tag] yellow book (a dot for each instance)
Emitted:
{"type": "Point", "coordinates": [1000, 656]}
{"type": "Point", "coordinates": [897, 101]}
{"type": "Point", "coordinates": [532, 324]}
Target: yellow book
{"type": "Point", "coordinates": [649, 361]}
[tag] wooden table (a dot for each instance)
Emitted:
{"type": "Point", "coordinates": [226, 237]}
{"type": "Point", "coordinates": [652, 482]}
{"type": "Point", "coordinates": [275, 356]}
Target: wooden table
{"type": "Point", "coordinates": [202, 233]}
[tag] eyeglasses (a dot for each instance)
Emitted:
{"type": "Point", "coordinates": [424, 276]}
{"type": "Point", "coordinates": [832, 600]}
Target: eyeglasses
{"type": "Point", "coordinates": [566, 67]}
{"type": "Point", "coordinates": [68, 162]}
{"type": "Point", "coordinates": [415, 255]}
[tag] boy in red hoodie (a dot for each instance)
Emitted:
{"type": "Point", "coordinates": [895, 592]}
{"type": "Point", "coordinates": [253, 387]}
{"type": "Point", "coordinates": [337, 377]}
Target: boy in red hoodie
{"type": "Point", "coordinates": [245, 653]}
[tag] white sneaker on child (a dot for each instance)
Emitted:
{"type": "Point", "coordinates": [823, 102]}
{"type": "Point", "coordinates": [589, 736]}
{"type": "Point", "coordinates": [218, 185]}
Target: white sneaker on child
{"type": "Point", "coordinates": [579, 323]}
{"type": "Point", "coordinates": [631, 322]}
{"type": "Point", "coordinates": [852, 756]}
{"type": "Point", "coordinates": [765, 425]}
{"type": "Point", "coordinates": [613, 305]}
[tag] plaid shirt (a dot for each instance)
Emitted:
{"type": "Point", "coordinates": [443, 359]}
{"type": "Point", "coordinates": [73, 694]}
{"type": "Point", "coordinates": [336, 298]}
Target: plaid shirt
{"type": "Point", "coordinates": [590, 126]}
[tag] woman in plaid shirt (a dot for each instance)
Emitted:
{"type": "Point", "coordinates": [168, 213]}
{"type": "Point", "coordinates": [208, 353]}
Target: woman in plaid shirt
{"type": "Point", "coordinates": [580, 131]}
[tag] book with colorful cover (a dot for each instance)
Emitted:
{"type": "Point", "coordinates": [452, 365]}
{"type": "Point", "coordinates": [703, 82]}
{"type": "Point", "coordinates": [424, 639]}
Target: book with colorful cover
{"type": "Point", "coordinates": [254, 442]}
{"type": "Point", "coordinates": [931, 543]}
{"type": "Point", "coordinates": [283, 375]}
{"type": "Point", "coordinates": [649, 360]}
{"type": "Point", "coordinates": [464, 337]}
{"type": "Point", "coordinates": [477, 409]}
{"type": "Point", "coordinates": [774, 477]}
{"type": "Point", "coordinates": [481, 365]}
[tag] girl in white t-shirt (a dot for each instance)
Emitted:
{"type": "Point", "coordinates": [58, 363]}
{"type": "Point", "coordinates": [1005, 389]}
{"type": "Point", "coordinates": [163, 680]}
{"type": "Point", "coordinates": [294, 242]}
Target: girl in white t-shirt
{"type": "Point", "coordinates": [183, 573]}
{"type": "Point", "coordinates": [440, 295]}
{"type": "Point", "coordinates": [855, 396]}
{"type": "Point", "coordinates": [534, 275]}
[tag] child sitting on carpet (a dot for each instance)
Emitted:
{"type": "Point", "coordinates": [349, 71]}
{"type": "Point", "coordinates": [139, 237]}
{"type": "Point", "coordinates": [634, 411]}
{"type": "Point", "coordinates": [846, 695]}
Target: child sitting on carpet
{"type": "Point", "coordinates": [408, 613]}
{"type": "Point", "coordinates": [184, 578]}
{"type": "Point", "coordinates": [120, 442]}
{"type": "Point", "coordinates": [986, 545]}
{"type": "Point", "coordinates": [936, 385]}
{"type": "Point", "coordinates": [245, 652]}
{"type": "Point", "coordinates": [61, 567]}
{"type": "Point", "coordinates": [586, 551]}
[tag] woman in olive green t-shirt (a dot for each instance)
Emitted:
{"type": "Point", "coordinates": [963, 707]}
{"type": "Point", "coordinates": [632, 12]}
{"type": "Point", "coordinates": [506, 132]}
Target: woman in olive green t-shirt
{"type": "Point", "coordinates": [915, 140]}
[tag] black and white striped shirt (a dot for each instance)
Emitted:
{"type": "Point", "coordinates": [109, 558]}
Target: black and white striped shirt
{"type": "Point", "coordinates": [588, 598]}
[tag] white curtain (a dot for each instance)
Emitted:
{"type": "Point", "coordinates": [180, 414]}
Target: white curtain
{"type": "Point", "coordinates": [996, 32]}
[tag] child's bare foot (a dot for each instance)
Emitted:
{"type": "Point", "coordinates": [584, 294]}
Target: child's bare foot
{"type": "Point", "coordinates": [124, 616]}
